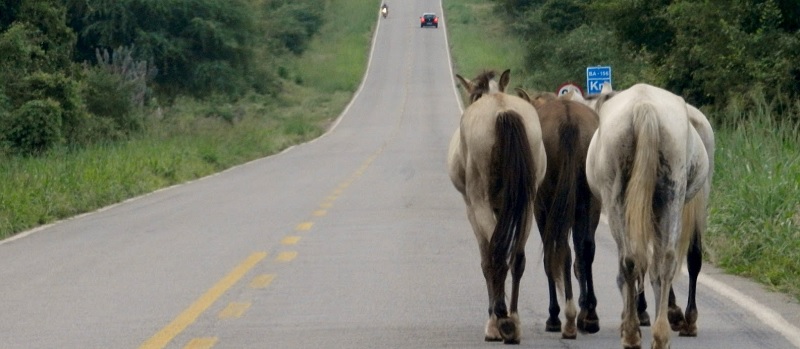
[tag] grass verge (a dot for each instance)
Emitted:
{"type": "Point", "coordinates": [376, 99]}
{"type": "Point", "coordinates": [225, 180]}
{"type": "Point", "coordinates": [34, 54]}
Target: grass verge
{"type": "Point", "coordinates": [476, 36]}
{"type": "Point", "coordinates": [192, 139]}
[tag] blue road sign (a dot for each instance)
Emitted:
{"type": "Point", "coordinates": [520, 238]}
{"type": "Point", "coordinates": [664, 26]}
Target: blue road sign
{"type": "Point", "coordinates": [595, 78]}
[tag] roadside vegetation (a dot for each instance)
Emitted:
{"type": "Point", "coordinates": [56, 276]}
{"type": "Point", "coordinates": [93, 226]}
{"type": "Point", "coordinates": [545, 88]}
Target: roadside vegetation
{"type": "Point", "coordinates": [106, 102]}
{"type": "Point", "coordinates": [736, 63]}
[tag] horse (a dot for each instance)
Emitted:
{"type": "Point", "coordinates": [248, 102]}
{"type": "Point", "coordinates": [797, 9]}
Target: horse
{"type": "Point", "coordinates": [497, 161]}
{"type": "Point", "coordinates": [695, 217]}
{"type": "Point", "coordinates": [647, 163]}
{"type": "Point", "coordinates": [564, 203]}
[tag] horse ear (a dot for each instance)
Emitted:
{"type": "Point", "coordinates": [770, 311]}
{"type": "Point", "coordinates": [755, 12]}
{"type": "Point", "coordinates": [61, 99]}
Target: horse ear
{"type": "Point", "coordinates": [523, 94]}
{"type": "Point", "coordinates": [465, 83]}
{"type": "Point", "coordinates": [504, 78]}
{"type": "Point", "coordinates": [606, 88]}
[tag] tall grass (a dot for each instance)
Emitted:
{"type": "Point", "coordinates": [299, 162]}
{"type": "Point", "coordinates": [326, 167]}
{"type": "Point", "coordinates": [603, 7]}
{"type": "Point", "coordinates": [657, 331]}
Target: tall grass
{"type": "Point", "coordinates": [479, 42]}
{"type": "Point", "coordinates": [755, 207]}
{"type": "Point", "coordinates": [195, 138]}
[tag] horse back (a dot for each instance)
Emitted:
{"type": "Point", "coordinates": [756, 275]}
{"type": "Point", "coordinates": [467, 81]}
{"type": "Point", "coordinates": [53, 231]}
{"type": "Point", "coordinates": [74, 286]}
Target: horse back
{"type": "Point", "coordinates": [478, 129]}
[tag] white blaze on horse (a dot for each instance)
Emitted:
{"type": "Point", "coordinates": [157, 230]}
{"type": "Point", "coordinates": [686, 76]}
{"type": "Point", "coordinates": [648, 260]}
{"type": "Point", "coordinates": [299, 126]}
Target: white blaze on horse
{"type": "Point", "coordinates": [647, 162]}
{"type": "Point", "coordinates": [497, 161]}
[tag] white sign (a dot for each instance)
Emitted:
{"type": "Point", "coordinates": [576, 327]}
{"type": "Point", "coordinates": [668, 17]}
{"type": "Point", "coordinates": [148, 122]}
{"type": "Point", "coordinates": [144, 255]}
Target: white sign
{"type": "Point", "coordinates": [567, 88]}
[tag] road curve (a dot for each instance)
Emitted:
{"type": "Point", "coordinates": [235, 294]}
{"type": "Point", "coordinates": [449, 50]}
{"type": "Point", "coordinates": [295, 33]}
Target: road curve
{"type": "Point", "coordinates": [354, 240]}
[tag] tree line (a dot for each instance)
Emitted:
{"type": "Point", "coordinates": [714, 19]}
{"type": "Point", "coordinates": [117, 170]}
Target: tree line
{"type": "Point", "coordinates": [714, 53]}
{"type": "Point", "coordinates": [78, 72]}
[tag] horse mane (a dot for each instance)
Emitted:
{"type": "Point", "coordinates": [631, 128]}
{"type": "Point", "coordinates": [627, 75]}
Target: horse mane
{"type": "Point", "coordinates": [601, 98]}
{"type": "Point", "coordinates": [481, 85]}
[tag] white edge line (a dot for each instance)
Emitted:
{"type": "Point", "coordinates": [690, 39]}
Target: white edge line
{"type": "Point", "coordinates": [330, 129]}
{"type": "Point", "coordinates": [450, 60]}
{"type": "Point", "coordinates": [768, 316]}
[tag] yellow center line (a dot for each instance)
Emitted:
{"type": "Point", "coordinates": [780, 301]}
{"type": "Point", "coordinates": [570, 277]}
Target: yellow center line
{"type": "Point", "coordinates": [188, 316]}
{"type": "Point", "coordinates": [320, 213]}
{"type": "Point", "coordinates": [262, 281]}
{"type": "Point", "coordinates": [304, 226]}
{"type": "Point", "coordinates": [201, 343]}
{"type": "Point", "coordinates": [234, 310]}
{"type": "Point", "coordinates": [286, 256]}
{"type": "Point", "coordinates": [290, 240]}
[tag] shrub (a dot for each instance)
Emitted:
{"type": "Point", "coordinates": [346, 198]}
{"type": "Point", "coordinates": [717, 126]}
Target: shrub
{"type": "Point", "coordinates": [66, 91]}
{"type": "Point", "coordinates": [34, 127]}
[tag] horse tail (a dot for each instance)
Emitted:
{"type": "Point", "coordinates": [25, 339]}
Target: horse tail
{"type": "Point", "coordinates": [639, 216]}
{"type": "Point", "coordinates": [561, 211]}
{"type": "Point", "coordinates": [694, 218]}
{"type": "Point", "coordinates": [512, 186]}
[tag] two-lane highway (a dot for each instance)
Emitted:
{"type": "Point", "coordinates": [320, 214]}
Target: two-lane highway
{"type": "Point", "coordinates": [354, 240]}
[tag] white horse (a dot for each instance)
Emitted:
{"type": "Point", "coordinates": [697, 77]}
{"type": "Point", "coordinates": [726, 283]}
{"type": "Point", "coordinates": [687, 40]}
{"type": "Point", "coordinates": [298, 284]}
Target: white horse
{"type": "Point", "coordinates": [695, 216]}
{"type": "Point", "coordinates": [646, 161]}
{"type": "Point", "coordinates": [497, 161]}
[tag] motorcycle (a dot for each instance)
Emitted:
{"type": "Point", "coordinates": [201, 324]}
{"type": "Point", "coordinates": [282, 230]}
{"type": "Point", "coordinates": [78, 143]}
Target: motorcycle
{"type": "Point", "coordinates": [385, 11]}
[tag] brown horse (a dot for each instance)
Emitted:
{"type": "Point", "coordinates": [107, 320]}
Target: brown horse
{"type": "Point", "coordinates": [497, 161]}
{"type": "Point", "coordinates": [565, 202]}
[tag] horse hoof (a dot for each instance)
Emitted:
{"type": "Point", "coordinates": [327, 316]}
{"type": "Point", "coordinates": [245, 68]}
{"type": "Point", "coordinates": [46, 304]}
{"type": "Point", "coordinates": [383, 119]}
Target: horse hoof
{"type": "Point", "coordinates": [688, 331]}
{"type": "Point", "coordinates": [588, 322]}
{"type": "Point", "coordinates": [492, 339]}
{"type": "Point", "coordinates": [553, 325]}
{"type": "Point", "coordinates": [589, 326]}
{"type": "Point", "coordinates": [644, 319]}
{"type": "Point", "coordinates": [569, 335]}
{"type": "Point", "coordinates": [676, 320]}
{"type": "Point", "coordinates": [509, 330]}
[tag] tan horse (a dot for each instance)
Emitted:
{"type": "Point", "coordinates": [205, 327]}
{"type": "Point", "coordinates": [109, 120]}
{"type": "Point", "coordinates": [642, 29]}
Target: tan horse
{"type": "Point", "coordinates": [565, 202]}
{"type": "Point", "coordinates": [695, 216]}
{"type": "Point", "coordinates": [497, 161]}
{"type": "Point", "coordinates": [647, 162]}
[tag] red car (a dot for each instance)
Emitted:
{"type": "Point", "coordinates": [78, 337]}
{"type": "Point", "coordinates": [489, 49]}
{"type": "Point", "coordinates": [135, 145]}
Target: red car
{"type": "Point", "coordinates": [429, 20]}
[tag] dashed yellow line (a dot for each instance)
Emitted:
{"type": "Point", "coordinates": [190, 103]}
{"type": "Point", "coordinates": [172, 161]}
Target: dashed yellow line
{"type": "Point", "coordinates": [290, 240]}
{"type": "Point", "coordinates": [188, 316]}
{"type": "Point", "coordinates": [320, 213]}
{"type": "Point", "coordinates": [304, 226]}
{"type": "Point", "coordinates": [201, 343]}
{"type": "Point", "coordinates": [262, 281]}
{"type": "Point", "coordinates": [286, 256]}
{"type": "Point", "coordinates": [234, 310]}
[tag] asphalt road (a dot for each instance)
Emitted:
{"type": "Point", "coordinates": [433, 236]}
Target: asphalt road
{"type": "Point", "coordinates": [355, 240]}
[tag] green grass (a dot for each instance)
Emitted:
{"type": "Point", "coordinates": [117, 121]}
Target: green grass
{"type": "Point", "coordinates": [478, 41]}
{"type": "Point", "coordinates": [191, 138]}
{"type": "Point", "coordinates": [755, 207]}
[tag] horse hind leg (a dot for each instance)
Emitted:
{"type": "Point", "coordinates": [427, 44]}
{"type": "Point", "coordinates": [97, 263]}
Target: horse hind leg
{"type": "Point", "coordinates": [674, 313]}
{"type": "Point", "coordinates": [553, 323]}
{"type": "Point", "coordinates": [509, 327]}
{"type": "Point", "coordinates": [570, 330]}
{"type": "Point", "coordinates": [502, 325]}
{"type": "Point", "coordinates": [491, 332]}
{"type": "Point", "coordinates": [694, 263]}
{"type": "Point", "coordinates": [641, 308]}
{"type": "Point", "coordinates": [630, 333]}
{"type": "Point", "coordinates": [583, 241]}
